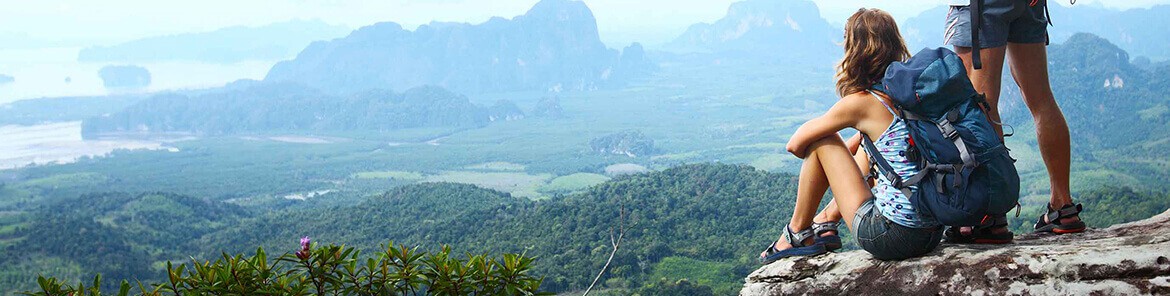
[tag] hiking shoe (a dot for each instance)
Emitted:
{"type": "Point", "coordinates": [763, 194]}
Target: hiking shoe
{"type": "Point", "coordinates": [990, 230]}
{"type": "Point", "coordinates": [1054, 216]}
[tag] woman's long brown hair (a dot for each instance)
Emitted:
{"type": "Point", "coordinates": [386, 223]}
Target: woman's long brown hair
{"type": "Point", "coordinates": [872, 42]}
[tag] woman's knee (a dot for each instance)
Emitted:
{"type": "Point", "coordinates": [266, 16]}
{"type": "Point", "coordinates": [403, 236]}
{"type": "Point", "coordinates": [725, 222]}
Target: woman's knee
{"type": "Point", "coordinates": [833, 141]}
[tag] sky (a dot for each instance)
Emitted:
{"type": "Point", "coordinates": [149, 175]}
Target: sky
{"type": "Point", "coordinates": [619, 21]}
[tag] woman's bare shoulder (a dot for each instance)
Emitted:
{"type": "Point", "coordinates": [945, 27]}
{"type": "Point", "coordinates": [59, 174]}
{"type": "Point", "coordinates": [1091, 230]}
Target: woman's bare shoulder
{"type": "Point", "coordinates": [858, 101]}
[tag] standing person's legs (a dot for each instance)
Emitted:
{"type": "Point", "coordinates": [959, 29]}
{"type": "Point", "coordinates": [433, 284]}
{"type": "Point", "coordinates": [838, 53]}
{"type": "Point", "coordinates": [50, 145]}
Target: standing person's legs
{"type": "Point", "coordinates": [1029, 66]}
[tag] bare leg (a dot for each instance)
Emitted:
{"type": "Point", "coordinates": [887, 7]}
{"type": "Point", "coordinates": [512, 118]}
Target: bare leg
{"type": "Point", "coordinates": [1029, 66]}
{"type": "Point", "coordinates": [988, 80]}
{"type": "Point", "coordinates": [831, 213]}
{"type": "Point", "coordinates": [828, 159]}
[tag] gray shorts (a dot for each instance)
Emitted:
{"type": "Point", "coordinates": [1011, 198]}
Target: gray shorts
{"type": "Point", "coordinates": [1015, 21]}
{"type": "Point", "coordinates": [887, 240]}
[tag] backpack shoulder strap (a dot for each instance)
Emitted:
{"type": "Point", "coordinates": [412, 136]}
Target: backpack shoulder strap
{"type": "Point", "coordinates": [882, 167]}
{"type": "Point", "coordinates": [880, 100]}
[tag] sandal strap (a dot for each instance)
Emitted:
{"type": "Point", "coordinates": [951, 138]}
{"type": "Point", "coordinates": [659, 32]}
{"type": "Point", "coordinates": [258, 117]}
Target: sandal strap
{"type": "Point", "coordinates": [796, 239]}
{"type": "Point", "coordinates": [821, 228]}
{"type": "Point", "coordinates": [1069, 210]}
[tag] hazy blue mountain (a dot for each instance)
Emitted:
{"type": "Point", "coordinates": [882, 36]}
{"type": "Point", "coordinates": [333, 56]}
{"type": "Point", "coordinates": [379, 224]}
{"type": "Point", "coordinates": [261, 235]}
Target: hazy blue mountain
{"type": "Point", "coordinates": [6, 79]}
{"type": "Point", "coordinates": [554, 46]}
{"type": "Point", "coordinates": [266, 107]}
{"type": "Point", "coordinates": [926, 29]}
{"type": "Point", "coordinates": [48, 110]}
{"type": "Point", "coordinates": [632, 143]}
{"type": "Point", "coordinates": [1140, 31]}
{"type": "Point", "coordinates": [548, 107]}
{"type": "Point", "coordinates": [505, 110]}
{"type": "Point", "coordinates": [773, 28]}
{"type": "Point", "coordinates": [228, 45]}
{"type": "Point", "coordinates": [124, 76]}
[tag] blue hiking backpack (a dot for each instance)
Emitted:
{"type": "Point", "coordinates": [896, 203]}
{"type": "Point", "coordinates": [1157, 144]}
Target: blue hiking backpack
{"type": "Point", "coordinates": [965, 172]}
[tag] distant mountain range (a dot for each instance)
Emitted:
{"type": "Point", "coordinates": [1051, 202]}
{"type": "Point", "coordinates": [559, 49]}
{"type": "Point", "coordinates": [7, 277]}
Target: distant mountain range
{"type": "Point", "coordinates": [794, 30]}
{"type": "Point", "coordinates": [1140, 31]}
{"type": "Point", "coordinates": [780, 29]}
{"type": "Point", "coordinates": [554, 46]}
{"type": "Point", "coordinates": [228, 45]}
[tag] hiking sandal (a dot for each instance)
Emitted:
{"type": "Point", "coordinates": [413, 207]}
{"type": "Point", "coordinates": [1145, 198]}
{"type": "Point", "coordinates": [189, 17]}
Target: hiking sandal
{"type": "Point", "coordinates": [831, 242]}
{"type": "Point", "coordinates": [796, 240]}
{"type": "Point", "coordinates": [1054, 216]}
{"type": "Point", "coordinates": [984, 233]}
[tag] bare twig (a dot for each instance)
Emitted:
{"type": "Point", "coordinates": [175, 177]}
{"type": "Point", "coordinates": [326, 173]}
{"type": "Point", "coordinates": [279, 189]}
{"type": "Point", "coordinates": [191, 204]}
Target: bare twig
{"type": "Point", "coordinates": [615, 242]}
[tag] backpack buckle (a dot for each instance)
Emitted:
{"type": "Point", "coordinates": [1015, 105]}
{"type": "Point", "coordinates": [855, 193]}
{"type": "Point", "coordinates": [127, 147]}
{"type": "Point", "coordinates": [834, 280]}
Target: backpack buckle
{"type": "Point", "coordinates": [948, 130]}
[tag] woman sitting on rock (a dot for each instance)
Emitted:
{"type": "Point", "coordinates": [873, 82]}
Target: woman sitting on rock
{"type": "Point", "coordinates": [882, 217]}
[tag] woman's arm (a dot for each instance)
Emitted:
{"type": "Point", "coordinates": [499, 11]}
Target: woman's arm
{"type": "Point", "coordinates": [845, 113]}
{"type": "Point", "coordinates": [853, 143]}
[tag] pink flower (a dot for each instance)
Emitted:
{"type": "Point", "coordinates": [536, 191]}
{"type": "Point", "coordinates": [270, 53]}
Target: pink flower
{"type": "Point", "coordinates": [304, 252]}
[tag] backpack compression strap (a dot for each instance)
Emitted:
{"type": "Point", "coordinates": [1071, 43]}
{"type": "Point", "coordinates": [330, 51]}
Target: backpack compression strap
{"type": "Point", "coordinates": [948, 130]}
{"type": "Point", "coordinates": [884, 169]}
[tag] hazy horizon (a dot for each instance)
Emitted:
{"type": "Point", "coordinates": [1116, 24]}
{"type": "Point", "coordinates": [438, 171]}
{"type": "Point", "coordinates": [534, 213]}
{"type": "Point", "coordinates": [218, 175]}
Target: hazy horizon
{"type": "Point", "coordinates": [620, 22]}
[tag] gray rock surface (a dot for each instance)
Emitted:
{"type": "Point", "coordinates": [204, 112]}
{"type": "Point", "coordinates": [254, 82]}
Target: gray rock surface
{"type": "Point", "coordinates": [1124, 259]}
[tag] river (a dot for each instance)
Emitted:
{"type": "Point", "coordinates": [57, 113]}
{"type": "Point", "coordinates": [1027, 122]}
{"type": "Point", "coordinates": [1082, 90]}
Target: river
{"type": "Point", "coordinates": [55, 72]}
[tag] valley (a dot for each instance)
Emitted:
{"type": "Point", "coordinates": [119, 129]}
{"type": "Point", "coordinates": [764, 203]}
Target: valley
{"type": "Point", "coordinates": [422, 137]}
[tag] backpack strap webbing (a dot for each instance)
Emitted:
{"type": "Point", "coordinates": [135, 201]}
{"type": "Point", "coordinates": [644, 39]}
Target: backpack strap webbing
{"type": "Point", "coordinates": [885, 170]}
{"type": "Point", "coordinates": [948, 130]}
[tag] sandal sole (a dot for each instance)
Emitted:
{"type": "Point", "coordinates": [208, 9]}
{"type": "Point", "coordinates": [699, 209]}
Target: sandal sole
{"type": "Point", "coordinates": [1068, 231]}
{"type": "Point", "coordinates": [796, 252]}
{"type": "Point", "coordinates": [1074, 228]}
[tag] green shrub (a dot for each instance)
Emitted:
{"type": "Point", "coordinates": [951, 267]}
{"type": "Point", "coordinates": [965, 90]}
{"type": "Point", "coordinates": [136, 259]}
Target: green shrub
{"type": "Point", "coordinates": [333, 270]}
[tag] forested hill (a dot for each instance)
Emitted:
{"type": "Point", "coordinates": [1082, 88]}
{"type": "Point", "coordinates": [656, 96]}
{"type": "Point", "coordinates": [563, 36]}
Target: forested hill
{"type": "Point", "coordinates": [120, 235]}
{"type": "Point", "coordinates": [263, 107]}
{"type": "Point", "coordinates": [553, 46]}
{"type": "Point", "coordinates": [702, 222]}
{"type": "Point", "coordinates": [709, 213]}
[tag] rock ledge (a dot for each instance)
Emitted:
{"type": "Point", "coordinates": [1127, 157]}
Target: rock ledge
{"type": "Point", "coordinates": [1132, 258]}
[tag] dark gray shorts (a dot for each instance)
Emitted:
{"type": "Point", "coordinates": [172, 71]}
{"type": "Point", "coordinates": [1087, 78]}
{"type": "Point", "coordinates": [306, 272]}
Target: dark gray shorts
{"type": "Point", "coordinates": [887, 240]}
{"type": "Point", "coordinates": [1015, 21]}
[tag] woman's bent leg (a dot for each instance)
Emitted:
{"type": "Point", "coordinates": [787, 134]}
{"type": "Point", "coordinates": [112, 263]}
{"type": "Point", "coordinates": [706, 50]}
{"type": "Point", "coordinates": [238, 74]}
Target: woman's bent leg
{"type": "Point", "coordinates": [831, 213]}
{"type": "Point", "coordinates": [843, 176]}
{"type": "Point", "coordinates": [828, 164]}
